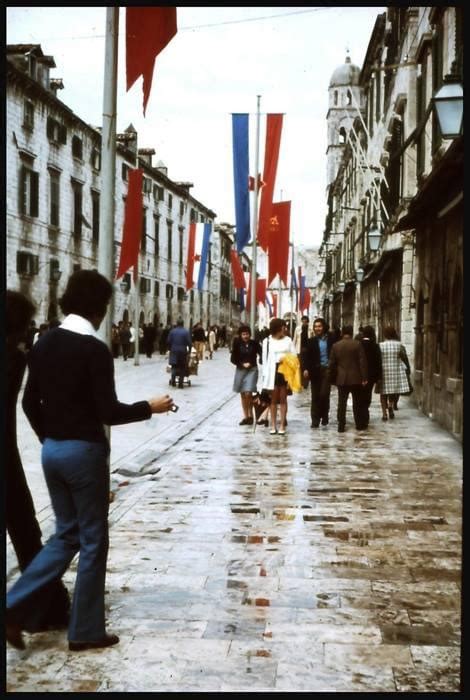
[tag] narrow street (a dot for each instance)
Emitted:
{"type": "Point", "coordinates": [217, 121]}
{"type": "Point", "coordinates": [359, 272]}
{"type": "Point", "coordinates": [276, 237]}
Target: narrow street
{"type": "Point", "coordinates": [244, 561]}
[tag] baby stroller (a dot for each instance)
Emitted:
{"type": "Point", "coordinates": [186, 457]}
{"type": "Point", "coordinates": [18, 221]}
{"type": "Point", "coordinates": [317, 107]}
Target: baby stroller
{"type": "Point", "coordinates": [191, 367]}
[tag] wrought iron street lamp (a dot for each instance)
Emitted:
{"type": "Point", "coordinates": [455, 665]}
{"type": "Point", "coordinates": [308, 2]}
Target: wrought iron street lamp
{"type": "Point", "coordinates": [341, 287]}
{"type": "Point", "coordinates": [359, 274]}
{"type": "Point", "coordinates": [448, 105]}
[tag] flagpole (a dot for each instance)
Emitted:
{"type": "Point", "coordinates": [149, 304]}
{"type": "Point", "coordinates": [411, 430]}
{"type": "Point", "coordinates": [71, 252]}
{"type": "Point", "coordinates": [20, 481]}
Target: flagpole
{"type": "Point", "coordinates": [255, 226]}
{"type": "Point", "coordinates": [136, 313]}
{"type": "Point", "coordinates": [108, 162]}
{"type": "Point", "coordinates": [292, 270]}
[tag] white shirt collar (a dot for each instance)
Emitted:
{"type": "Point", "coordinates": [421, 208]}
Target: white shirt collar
{"type": "Point", "coordinates": [78, 324]}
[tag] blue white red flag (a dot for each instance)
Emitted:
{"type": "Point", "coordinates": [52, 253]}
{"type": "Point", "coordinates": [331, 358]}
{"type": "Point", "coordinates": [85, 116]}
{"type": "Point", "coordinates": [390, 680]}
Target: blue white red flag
{"type": "Point", "coordinates": [202, 235]}
{"type": "Point", "coordinates": [241, 179]}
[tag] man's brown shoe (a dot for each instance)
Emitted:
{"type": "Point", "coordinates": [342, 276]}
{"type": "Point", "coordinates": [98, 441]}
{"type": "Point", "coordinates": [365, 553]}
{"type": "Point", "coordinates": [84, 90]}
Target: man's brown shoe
{"type": "Point", "coordinates": [14, 636]}
{"type": "Point", "coordinates": [107, 641]}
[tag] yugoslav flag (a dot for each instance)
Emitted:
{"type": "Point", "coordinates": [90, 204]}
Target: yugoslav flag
{"type": "Point", "coordinates": [202, 236]}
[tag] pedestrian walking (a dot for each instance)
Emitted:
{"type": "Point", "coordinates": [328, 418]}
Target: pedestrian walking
{"type": "Point", "coordinates": [132, 340]}
{"type": "Point", "coordinates": [211, 341]}
{"type": "Point", "coordinates": [244, 355]}
{"type": "Point", "coordinates": [115, 341]}
{"type": "Point", "coordinates": [50, 610]}
{"type": "Point", "coordinates": [301, 335]}
{"type": "Point", "coordinates": [374, 369]}
{"type": "Point", "coordinates": [315, 357]}
{"type": "Point", "coordinates": [395, 365]}
{"type": "Point", "coordinates": [69, 396]}
{"type": "Point", "coordinates": [347, 368]}
{"type": "Point", "coordinates": [274, 348]}
{"type": "Point", "coordinates": [163, 338]}
{"type": "Point", "coordinates": [179, 345]}
{"type": "Point", "coordinates": [125, 338]}
{"type": "Point", "coordinates": [149, 339]}
{"type": "Point", "coordinates": [199, 340]}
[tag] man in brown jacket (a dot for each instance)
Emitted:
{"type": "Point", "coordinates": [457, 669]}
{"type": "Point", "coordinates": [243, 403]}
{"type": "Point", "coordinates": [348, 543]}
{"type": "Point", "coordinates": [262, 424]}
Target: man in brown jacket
{"type": "Point", "coordinates": [348, 370]}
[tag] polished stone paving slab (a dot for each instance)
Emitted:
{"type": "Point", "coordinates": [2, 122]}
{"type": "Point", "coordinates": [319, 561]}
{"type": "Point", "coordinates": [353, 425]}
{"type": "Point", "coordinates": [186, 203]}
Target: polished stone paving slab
{"type": "Point", "coordinates": [314, 561]}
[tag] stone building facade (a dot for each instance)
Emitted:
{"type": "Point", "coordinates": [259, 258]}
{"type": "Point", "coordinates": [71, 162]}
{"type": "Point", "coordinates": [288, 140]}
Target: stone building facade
{"type": "Point", "coordinates": [392, 244]}
{"type": "Point", "coordinates": [53, 162]}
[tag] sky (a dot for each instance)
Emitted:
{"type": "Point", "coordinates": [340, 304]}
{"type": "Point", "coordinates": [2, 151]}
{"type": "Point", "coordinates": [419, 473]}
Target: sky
{"type": "Point", "coordinates": [219, 61]}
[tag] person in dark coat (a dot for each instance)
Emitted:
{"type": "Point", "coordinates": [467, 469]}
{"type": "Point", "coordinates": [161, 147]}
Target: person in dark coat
{"type": "Point", "coordinates": [244, 355]}
{"type": "Point", "coordinates": [149, 339]}
{"type": "Point", "coordinates": [125, 338]}
{"type": "Point", "coordinates": [51, 609]}
{"type": "Point", "coordinates": [179, 345]}
{"type": "Point", "coordinates": [314, 360]}
{"type": "Point", "coordinates": [348, 367]}
{"type": "Point", "coordinates": [374, 369]}
{"type": "Point", "coordinates": [163, 338]}
{"type": "Point", "coordinates": [69, 397]}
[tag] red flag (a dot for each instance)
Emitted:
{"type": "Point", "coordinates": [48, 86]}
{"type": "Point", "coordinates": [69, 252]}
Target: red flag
{"type": "Point", "coordinates": [148, 31]}
{"type": "Point", "coordinates": [237, 271]}
{"type": "Point", "coordinates": [274, 305]}
{"type": "Point", "coordinates": [271, 156]}
{"type": "Point", "coordinates": [132, 230]}
{"type": "Point", "coordinates": [191, 256]}
{"type": "Point", "coordinates": [278, 249]}
{"type": "Point", "coordinates": [306, 301]}
{"type": "Point", "coordinates": [260, 292]}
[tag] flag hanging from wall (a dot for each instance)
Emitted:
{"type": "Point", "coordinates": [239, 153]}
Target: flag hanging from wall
{"type": "Point", "coordinates": [278, 247]}
{"type": "Point", "coordinates": [304, 306]}
{"type": "Point", "coordinates": [148, 30]}
{"type": "Point", "coordinates": [260, 292]}
{"type": "Point", "coordinates": [294, 289]}
{"type": "Point", "coordinates": [238, 275]}
{"type": "Point", "coordinates": [201, 252]}
{"type": "Point", "coordinates": [132, 229]}
{"type": "Point", "coordinates": [240, 144]}
{"type": "Point", "coordinates": [271, 157]}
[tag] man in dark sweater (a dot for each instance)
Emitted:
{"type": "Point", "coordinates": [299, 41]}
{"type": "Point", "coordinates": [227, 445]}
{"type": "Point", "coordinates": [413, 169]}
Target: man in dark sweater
{"type": "Point", "coordinates": [69, 397]}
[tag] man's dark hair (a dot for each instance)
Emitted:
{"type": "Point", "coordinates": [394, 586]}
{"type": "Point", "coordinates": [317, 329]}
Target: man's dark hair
{"type": "Point", "coordinates": [304, 318]}
{"type": "Point", "coordinates": [321, 320]}
{"type": "Point", "coordinates": [244, 329]}
{"type": "Point", "coordinates": [87, 294]}
{"type": "Point", "coordinates": [368, 332]}
{"type": "Point", "coordinates": [180, 322]}
{"type": "Point", "coordinates": [347, 330]}
{"type": "Point", "coordinates": [19, 311]}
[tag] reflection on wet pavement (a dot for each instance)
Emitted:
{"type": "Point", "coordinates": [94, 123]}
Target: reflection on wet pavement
{"type": "Point", "coordinates": [312, 562]}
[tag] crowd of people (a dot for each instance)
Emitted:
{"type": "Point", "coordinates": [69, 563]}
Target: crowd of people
{"type": "Point", "coordinates": [355, 364]}
{"type": "Point", "coordinates": [69, 418]}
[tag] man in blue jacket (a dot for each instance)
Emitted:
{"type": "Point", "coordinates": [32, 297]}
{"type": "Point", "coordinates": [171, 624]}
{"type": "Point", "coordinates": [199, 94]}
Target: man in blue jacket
{"type": "Point", "coordinates": [179, 345]}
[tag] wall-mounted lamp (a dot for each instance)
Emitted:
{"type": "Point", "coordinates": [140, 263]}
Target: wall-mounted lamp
{"type": "Point", "coordinates": [448, 105]}
{"type": "Point", "coordinates": [341, 287]}
{"type": "Point", "coordinates": [330, 297]}
{"type": "Point", "coordinates": [359, 274]}
{"type": "Point", "coordinates": [374, 236]}
{"type": "Point", "coordinates": [56, 275]}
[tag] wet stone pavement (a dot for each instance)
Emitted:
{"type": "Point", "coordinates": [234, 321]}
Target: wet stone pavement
{"type": "Point", "coordinates": [244, 561]}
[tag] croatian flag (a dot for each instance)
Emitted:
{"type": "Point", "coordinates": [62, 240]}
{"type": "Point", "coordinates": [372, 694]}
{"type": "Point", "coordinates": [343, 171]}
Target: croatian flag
{"type": "Point", "coordinates": [202, 236]}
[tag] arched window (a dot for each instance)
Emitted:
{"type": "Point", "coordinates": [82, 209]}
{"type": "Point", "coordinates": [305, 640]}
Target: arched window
{"type": "Point", "coordinates": [335, 98]}
{"type": "Point", "coordinates": [342, 135]}
{"type": "Point", "coordinates": [125, 316]}
{"type": "Point", "coordinates": [348, 98]}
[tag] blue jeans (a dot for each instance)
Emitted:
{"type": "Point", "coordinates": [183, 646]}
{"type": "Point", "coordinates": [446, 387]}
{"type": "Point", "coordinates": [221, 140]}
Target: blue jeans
{"type": "Point", "coordinates": [77, 477]}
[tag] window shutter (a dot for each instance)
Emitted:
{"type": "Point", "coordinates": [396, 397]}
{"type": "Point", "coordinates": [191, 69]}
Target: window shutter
{"type": "Point", "coordinates": [62, 133]}
{"type": "Point", "coordinates": [50, 128]}
{"type": "Point", "coordinates": [34, 193]}
{"type": "Point", "coordinates": [22, 191]}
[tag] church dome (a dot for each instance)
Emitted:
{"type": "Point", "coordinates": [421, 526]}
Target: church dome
{"type": "Point", "coordinates": [346, 74]}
